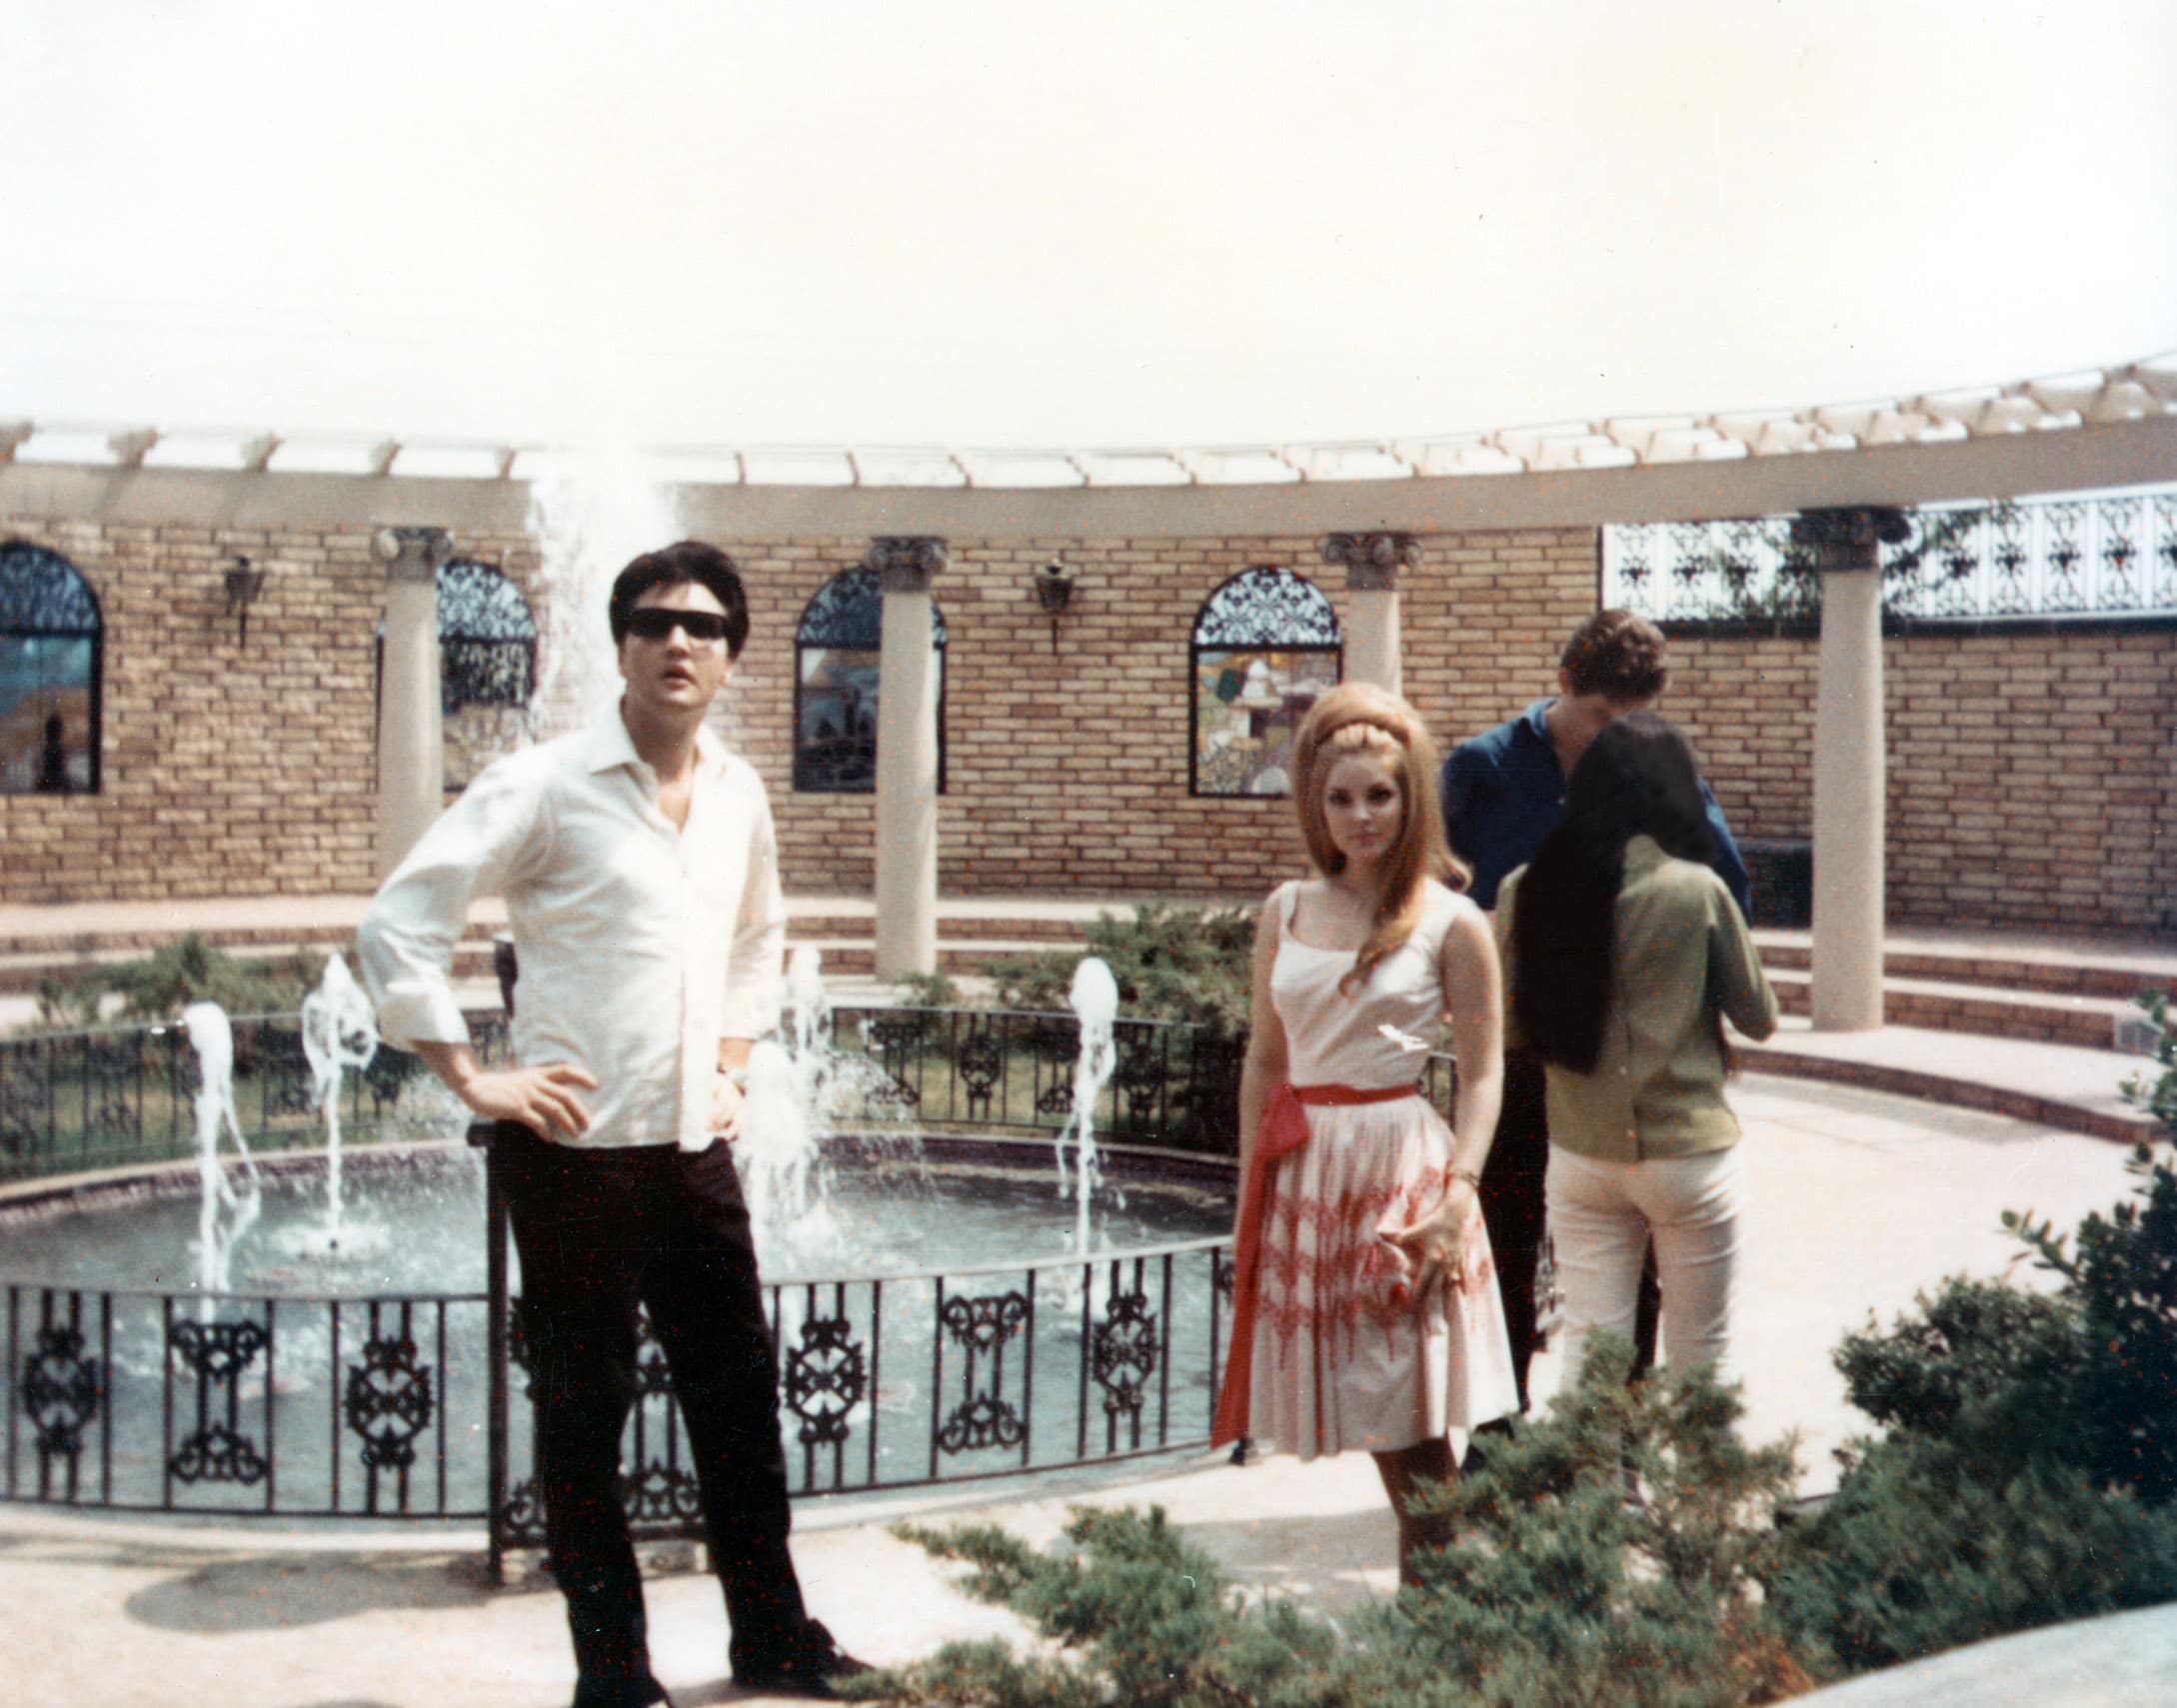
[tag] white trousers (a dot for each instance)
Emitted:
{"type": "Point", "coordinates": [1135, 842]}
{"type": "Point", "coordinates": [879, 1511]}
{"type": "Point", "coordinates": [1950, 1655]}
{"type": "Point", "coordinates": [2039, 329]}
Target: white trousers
{"type": "Point", "coordinates": [1602, 1216]}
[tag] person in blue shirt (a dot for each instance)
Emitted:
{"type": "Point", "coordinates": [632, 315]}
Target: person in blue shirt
{"type": "Point", "coordinates": [1503, 791]}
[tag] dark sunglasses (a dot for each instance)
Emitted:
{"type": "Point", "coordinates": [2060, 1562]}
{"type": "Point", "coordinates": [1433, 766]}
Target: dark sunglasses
{"type": "Point", "coordinates": [655, 623]}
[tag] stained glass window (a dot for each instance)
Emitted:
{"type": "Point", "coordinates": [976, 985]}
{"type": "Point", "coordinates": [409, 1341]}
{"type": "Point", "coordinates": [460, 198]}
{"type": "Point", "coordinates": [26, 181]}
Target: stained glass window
{"type": "Point", "coordinates": [836, 648]}
{"type": "Point", "coordinates": [1265, 645]}
{"type": "Point", "coordinates": [51, 657]}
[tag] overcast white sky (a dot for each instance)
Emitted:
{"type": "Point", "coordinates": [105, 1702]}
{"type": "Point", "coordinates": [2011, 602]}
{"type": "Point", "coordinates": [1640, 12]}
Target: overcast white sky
{"type": "Point", "coordinates": [941, 223]}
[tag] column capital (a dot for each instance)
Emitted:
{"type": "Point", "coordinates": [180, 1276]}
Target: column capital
{"type": "Point", "coordinates": [905, 562]}
{"type": "Point", "coordinates": [1371, 561]}
{"type": "Point", "coordinates": [412, 553]}
{"type": "Point", "coordinates": [1845, 538]}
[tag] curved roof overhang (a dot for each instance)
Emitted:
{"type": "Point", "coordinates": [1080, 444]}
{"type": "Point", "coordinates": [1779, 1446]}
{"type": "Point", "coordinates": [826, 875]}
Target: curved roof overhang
{"type": "Point", "coordinates": [2079, 433]}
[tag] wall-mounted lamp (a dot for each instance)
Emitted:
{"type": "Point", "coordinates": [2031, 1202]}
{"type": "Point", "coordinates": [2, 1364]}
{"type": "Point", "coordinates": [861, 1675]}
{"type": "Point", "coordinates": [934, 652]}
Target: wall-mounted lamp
{"type": "Point", "coordinates": [1054, 592]}
{"type": "Point", "coordinates": [243, 586]}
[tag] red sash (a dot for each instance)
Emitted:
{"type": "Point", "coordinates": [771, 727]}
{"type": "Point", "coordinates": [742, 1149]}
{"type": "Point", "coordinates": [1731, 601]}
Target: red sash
{"type": "Point", "coordinates": [1284, 1130]}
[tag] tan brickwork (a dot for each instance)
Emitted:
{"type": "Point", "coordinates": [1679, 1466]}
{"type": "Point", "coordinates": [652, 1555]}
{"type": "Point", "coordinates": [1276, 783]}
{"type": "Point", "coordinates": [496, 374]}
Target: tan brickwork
{"type": "Point", "coordinates": [228, 767]}
{"type": "Point", "coordinates": [2033, 778]}
{"type": "Point", "coordinates": [2032, 775]}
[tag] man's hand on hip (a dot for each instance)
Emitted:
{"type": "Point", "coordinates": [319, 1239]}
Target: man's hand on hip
{"type": "Point", "coordinates": [726, 1099]}
{"type": "Point", "coordinates": [542, 1099]}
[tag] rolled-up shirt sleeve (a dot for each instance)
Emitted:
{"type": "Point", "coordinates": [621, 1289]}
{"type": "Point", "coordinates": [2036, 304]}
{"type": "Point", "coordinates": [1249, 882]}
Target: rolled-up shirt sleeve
{"type": "Point", "coordinates": [405, 942]}
{"type": "Point", "coordinates": [756, 962]}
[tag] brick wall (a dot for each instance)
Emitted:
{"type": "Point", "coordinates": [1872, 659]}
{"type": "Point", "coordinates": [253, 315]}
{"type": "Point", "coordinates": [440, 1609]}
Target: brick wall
{"type": "Point", "coordinates": [1067, 770]}
{"type": "Point", "coordinates": [227, 768]}
{"type": "Point", "coordinates": [2032, 775]}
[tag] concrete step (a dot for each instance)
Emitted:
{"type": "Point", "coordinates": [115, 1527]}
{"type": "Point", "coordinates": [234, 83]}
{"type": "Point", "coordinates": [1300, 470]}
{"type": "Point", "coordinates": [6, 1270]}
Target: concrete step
{"type": "Point", "coordinates": [2050, 1084]}
{"type": "Point", "coordinates": [2090, 1022]}
{"type": "Point", "coordinates": [2070, 967]}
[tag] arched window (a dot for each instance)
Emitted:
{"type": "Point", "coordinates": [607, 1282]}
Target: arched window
{"type": "Point", "coordinates": [1266, 644]}
{"type": "Point", "coordinates": [51, 658]}
{"type": "Point", "coordinates": [486, 667]}
{"type": "Point", "coordinates": [836, 649]}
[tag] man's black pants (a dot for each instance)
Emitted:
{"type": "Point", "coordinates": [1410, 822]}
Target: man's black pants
{"type": "Point", "coordinates": [598, 1231]}
{"type": "Point", "coordinates": [1515, 1211]}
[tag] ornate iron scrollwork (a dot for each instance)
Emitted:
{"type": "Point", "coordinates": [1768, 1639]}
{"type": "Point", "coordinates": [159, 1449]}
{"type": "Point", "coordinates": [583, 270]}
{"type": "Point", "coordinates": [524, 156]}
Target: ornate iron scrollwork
{"type": "Point", "coordinates": [275, 1056]}
{"type": "Point", "coordinates": [893, 1035]}
{"type": "Point", "coordinates": [827, 1376]}
{"type": "Point", "coordinates": [981, 1062]}
{"type": "Point", "coordinates": [1267, 606]}
{"type": "Point", "coordinates": [61, 1390]}
{"type": "Point", "coordinates": [42, 592]}
{"type": "Point", "coordinates": [848, 612]}
{"type": "Point", "coordinates": [217, 1450]}
{"type": "Point", "coordinates": [1139, 1074]}
{"type": "Point", "coordinates": [26, 1096]}
{"type": "Point", "coordinates": [487, 638]}
{"type": "Point", "coordinates": [112, 1067]}
{"type": "Point", "coordinates": [657, 1493]}
{"type": "Point", "coordinates": [1125, 1349]}
{"type": "Point", "coordinates": [984, 1325]}
{"type": "Point", "coordinates": [388, 1401]}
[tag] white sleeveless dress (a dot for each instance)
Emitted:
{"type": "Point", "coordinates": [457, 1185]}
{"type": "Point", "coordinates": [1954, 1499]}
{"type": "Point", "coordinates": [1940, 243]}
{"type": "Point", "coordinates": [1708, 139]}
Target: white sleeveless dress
{"type": "Point", "coordinates": [1341, 1359]}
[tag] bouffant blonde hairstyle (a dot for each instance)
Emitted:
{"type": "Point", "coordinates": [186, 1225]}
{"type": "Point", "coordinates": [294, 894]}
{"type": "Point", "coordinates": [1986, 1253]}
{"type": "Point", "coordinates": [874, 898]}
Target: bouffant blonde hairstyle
{"type": "Point", "coordinates": [1353, 717]}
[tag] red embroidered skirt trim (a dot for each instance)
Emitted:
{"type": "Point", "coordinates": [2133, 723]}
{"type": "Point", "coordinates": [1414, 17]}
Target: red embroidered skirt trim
{"type": "Point", "coordinates": [1284, 1130]}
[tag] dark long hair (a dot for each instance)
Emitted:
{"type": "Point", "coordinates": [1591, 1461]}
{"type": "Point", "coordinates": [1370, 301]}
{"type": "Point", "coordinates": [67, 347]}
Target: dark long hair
{"type": "Point", "coordinates": [1638, 777]}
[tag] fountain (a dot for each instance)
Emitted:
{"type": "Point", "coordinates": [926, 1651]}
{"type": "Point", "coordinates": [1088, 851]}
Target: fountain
{"type": "Point", "coordinates": [1094, 997]}
{"type": "Point", "coordinates": [225, 1215]}
{"type": "Point", "coordinates": [339, 1032]}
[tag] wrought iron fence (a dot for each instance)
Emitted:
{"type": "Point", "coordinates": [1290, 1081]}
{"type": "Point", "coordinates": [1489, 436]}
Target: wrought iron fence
{"type": "Point", "coordinates": [2108, 556]}
{"type": "Point", "coordinates": [416, 1406]}
{"type": "Point", "coordinates": [111, 1096]}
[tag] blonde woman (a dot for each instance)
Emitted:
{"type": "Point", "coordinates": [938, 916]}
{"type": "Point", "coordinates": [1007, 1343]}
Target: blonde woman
{"type": "Point", "coordinates": [1367, 1314]}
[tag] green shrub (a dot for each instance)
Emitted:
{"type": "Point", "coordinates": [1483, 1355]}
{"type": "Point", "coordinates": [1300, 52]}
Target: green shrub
{"type": "Point", "coordinates": [1171, 962]}
{"type": "Point", "coordinates": [159, 986]}
{"type": "Point", "coordinates": [2028, 1474]}
{"type": "Point", "coordinates": [1920, 1550]}
{"type": "Point", "coordinates": [2122, 1276]}
{"type": "Point", "coordinates": [1557, 1592]}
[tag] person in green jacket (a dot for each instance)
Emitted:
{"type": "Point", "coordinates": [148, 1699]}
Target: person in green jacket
{"type": "Point", "coordinates": [1625, 954]}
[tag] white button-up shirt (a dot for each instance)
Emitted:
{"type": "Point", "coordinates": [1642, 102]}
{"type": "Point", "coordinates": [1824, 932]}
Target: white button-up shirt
{"type": "Point", "coordinates": [640, 945]}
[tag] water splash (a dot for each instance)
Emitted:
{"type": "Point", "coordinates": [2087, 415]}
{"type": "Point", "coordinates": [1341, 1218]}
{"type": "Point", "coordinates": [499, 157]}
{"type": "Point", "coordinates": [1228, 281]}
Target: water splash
{"type": "Point", "coordinates": [1094, 997]}
{"type": "Point", "coordinates": [782, 1169]}
{"type": "Point", "coordinates": [226, 1214]}
{"type": "Point", "coordinates": [339, 1032]}
{"type": "Point", "coordinates": [589, 513]}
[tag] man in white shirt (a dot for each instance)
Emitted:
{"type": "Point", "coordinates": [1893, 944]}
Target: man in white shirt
{"type": "Point", "coordinates": [639, 866]}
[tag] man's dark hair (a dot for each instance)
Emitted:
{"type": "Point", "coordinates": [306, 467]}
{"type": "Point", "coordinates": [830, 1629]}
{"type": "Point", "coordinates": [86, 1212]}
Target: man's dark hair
{"type": "Point", "coordinates": [690, 561]}
{"type": "Point", "coordinates": [1618, 654]}
{"type": "Point", "coordinates": [1638, 776]}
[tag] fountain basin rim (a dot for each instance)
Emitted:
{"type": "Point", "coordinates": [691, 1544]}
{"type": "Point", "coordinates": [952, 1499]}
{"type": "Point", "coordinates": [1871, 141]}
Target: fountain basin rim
{"type": "Point", "coordinates": [179, 1175]}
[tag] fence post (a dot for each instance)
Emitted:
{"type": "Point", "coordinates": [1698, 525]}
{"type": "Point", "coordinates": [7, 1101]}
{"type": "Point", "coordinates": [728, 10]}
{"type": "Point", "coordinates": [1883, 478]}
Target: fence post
{"type": "Point", "coordinates": [496, 1313]}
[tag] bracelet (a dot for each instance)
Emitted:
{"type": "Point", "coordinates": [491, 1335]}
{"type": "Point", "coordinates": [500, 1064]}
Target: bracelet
{"type": "Point", "coordinates": [739, 1076]}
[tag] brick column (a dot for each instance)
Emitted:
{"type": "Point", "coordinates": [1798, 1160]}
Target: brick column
{"type": "Point", "coordinates": [1850, 765]}
{"type": "Point", "coordinates": [906, 759]}
{"type": "Point", "coordinates": [1373, 561]}
{"type": "Point", "coordinates": [411, 743]}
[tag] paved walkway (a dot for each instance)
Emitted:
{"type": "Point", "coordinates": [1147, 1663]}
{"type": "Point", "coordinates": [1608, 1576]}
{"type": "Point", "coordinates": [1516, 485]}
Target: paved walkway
{"type": "Point", "coordinates": [1860, 1200]}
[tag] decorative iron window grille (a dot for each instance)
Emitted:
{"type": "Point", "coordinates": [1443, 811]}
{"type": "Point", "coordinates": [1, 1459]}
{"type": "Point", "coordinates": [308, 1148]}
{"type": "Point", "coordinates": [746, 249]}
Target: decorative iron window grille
{"type": "Point", "coordinates": [486, 667]}
{"type": "Point", "coordinates": [837, 649]}
{"type": "Point", "coordinates": [2106, 554]}
{"type": "Point", "coordinates": [1266, 644]}
{"type": "Point", "coordinates": [52, 662]}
